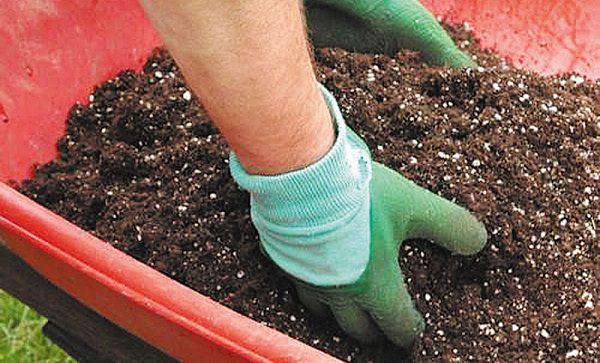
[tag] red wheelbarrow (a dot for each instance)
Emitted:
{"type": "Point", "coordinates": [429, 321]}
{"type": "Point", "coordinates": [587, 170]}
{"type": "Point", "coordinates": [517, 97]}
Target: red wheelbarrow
{"type": "Point", "coordinates": [102, 303]}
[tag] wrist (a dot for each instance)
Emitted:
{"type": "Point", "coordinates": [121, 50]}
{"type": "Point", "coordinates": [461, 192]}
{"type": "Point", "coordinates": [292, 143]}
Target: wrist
{"type": "Point", "coordinates": [302, 134]}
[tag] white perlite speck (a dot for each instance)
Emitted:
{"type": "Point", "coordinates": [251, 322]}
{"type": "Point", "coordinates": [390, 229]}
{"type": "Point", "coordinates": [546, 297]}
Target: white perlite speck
{"type": "Point", "coordinates": [588, 298]}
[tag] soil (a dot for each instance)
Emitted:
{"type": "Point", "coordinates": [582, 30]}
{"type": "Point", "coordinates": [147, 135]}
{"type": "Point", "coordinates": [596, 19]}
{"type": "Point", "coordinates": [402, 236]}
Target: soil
{"type": "Point", "coordinates": [142, 167]}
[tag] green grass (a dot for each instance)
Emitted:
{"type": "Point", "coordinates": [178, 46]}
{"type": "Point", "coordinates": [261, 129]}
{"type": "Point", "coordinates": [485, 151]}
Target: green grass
{"type": "Point", "coordinates": [21, 338]}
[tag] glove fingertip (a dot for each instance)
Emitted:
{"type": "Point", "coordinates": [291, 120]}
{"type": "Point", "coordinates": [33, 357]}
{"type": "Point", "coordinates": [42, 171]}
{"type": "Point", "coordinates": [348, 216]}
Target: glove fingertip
{"type": "Point", "coordinates": [475, 242]}
{"type": "Point", "coordinates": [407, 338]}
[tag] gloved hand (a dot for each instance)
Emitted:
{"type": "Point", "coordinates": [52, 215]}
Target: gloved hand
{"type": "Point", "coordinates": [378, 301]}
{"type": "Point", "coordinates": [336, 228]}
{"type": "Point", "coordinates": [383, 26]}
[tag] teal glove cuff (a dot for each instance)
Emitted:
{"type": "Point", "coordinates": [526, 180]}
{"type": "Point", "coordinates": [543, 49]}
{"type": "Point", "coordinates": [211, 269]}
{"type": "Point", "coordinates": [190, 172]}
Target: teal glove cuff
{"type": "Point", "coordinates": [314, 222]}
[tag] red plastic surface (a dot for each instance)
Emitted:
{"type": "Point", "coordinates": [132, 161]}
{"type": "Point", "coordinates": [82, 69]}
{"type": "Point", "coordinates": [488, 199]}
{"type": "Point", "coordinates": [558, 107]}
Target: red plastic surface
{"type": "Point", "coordinates": [55, 51]}
{"type": "Point", "coordinates": [547, 36]}
{"type": "Point", "coordinates": [186, 325]}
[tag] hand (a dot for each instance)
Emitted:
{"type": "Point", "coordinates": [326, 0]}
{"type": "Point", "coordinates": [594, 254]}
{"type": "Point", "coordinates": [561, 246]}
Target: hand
{"type": "Point", "coordinates": [336, 227]}
{"type": "Point", "coordinates": [383, 26]}
{"type": "Point", "coordinates": [379, 302]}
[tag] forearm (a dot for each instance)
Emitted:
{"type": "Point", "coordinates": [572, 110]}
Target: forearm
{"type": "Point", "coordinates": [249, 64]}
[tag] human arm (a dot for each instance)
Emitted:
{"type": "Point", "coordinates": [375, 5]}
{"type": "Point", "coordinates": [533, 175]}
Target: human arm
{"type": "Point", "coordinates": [248, 62]}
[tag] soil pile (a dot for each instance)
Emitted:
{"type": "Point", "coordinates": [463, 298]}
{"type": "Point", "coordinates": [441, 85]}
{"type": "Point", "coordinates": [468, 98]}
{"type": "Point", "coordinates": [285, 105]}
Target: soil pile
{"type": "Point", "coordinates": [142, 167]}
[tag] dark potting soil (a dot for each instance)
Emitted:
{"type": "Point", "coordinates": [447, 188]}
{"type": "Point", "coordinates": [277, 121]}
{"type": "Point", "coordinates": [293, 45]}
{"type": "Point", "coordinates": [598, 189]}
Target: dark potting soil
{"type": "Point", "coordinates": [142, 167]}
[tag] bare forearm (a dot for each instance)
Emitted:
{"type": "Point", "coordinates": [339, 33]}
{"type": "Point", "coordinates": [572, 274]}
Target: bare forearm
{"type": "Point", "coordinates": [249, 64]}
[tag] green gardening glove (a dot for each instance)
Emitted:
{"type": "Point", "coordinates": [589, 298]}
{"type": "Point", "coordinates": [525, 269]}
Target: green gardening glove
{"type": "Point", "coordinates": [336, 226]}
{"type": "Point", "coordinates": [383, 26]}
{"type": "Point", "coordinates": [379, 302]}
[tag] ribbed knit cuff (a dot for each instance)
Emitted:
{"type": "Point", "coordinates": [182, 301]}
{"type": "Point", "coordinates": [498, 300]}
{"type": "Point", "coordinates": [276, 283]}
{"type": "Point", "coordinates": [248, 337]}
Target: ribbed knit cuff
{"type": "Point", "coordinates": [314, 222]}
